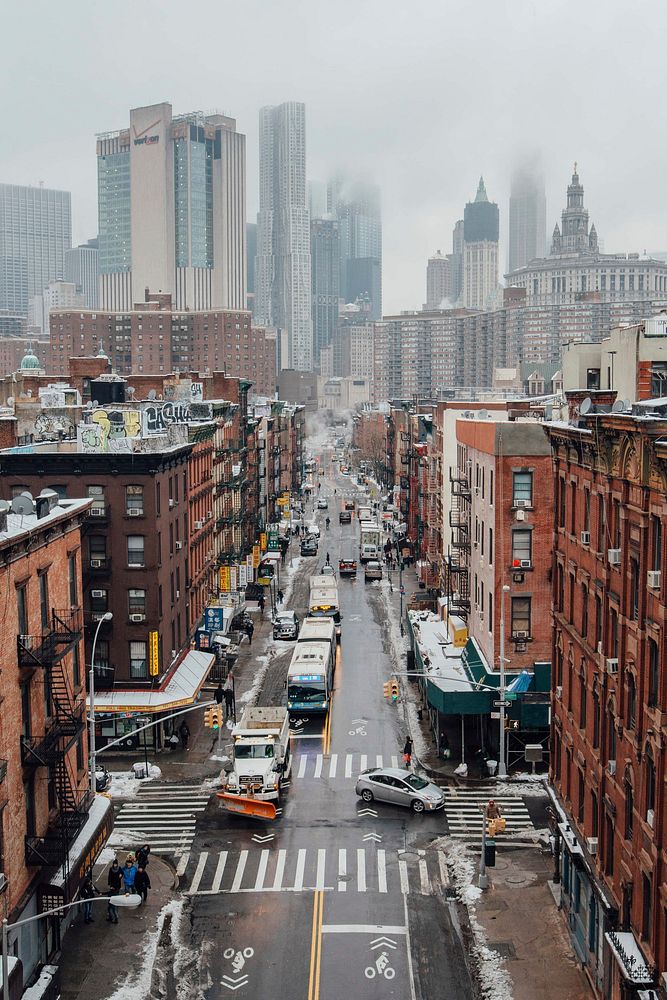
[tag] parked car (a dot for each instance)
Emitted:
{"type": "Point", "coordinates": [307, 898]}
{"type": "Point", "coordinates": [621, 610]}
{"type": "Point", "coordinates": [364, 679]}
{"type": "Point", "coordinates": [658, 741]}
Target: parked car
{"type": "Point", "coordinates": [309, 547]}
{"type": "Point", "coordinates": [347, 567]}
{"type": "Point", "coordinates": [399, 787]}
{"type": "Point", "coordinates": [313, 530]}
{"type": "Point", "coordinates": [286, 625]}
{"type": "Point", "coordinates": [322, 504]}
{"type": "Point", "coordinates": [372, 570]}
{"type": "Point", "coordinates": [344, 517]}
{"type": "Point", "coordinates": [327, 570]}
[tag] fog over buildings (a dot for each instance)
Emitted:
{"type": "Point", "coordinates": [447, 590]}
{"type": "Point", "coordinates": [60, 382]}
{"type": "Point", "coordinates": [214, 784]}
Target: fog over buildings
{"type": "Point", "coordinates": [389, 115]}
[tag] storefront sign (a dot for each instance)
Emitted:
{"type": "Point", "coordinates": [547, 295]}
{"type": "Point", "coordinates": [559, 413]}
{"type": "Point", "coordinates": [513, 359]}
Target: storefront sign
{"type": "Point", "coordinates": [153, 653]}
{"type": "Point", "coordinates": [233, 578]}
{"type": "Point", "coordinates": [224, 579]}
{"type": "Point", "coordinates": [243, 576]}
{"type": "Point", "coordinates": [214, 618]}
{"type": "Point", "coordinates": [255, 556]}
{"type": "Point", "coordinates": [203, 639]}
{"type": "Point", "coordinates": [262, 541]}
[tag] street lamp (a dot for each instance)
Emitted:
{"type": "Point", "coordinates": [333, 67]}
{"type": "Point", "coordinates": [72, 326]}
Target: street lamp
{"type": "Point", "coordinates": [127, 901]}
{"type": "Point", "coordinates": [106, 617]}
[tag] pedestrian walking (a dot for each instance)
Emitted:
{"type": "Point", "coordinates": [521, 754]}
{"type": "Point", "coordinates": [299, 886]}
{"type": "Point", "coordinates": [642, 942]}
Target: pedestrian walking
{"type": "Point", "coordinates": [407, 752]}
{"type": "Point", "coordinates": [494, 815]}
{"type": "Point", "coordinates": [114, 881]}
{"type": "Point", "coordinates": [142, 883]}
{"type": "Point", "coordinates": [184, 733]}
{"type": "Point", "coordinates": [250, 628]}
{"type": "Point", "coordinates": [327, 562]}
{"type": "Point", "coordinates": [142, 856]}
{"type": "Point", "coordinates": [261, 603]}
{"type": "Point", "coordinates": [88, 893]}
{"type": "Point", "coordinates": [281, 597]}
{"type": "Point", "coordinates": [219, 694]}
{"type": "Point", "coordinates": [444, 746]}
{"type": "Point", "coordinates": [129, 873]}
{"type": "Point", "coordinates": [229, 703]}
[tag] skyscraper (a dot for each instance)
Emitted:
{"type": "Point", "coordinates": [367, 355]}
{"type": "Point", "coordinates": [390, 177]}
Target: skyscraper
{"type": "Point", "coordinates": [82, 270]}
{"type": "Point", "coordinates": [438, 280]}
{"type": "Point", "coordinates": [457, 260]}
{"type": "Point", "coordinates": [481, 229]}
{"type": "Point", "coordinates": [356, 205]}
{"type": "Point", "coordinates": [282, 268]}
{"type": "Point", "coordinates": [528, 211]}
{"type": "Point", "coordinates": [35, 234]}
{"type": "Point", "coordinates": [171, 202]}
{"type": "Point", "coordinates": [325, 267]}
{"type": "Point", "coordinates": [251, 253]}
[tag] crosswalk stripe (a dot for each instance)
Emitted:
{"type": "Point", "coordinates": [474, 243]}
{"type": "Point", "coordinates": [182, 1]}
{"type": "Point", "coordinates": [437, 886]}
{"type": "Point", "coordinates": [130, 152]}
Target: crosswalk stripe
{"type": "Point", "coordinates": [342, 869]}
{"type": "Point", "coordinates": [261, 870]}
{"type": "Point", "coordinates": [240, 868]}
{"type": "Point", "coordinates": [403, 874]}
{"type": "Point", "coordinates": [219, 871]}
{"type": "Point", "coordinates": [300, 868]}
{"type": "Point", "coordinates": [280, 870]}
{"type": "Point", "coordinates": [394, 761]}
{"type": "Point", "coordinates": [333, 764]}
{"type": "Point", "coordinates": [348, 766]}
{"type": "Point", "coordinates": [363, 764]}
{"type": "Point", "coordinates": [444, 873]}
{"type": "Point", "coordinates": [423, 877]}
{"type": "Point", "coordinates": [361, 869]}
{"type": "Point", "coordinates": [201, 864]}
{"type": "Point", "coordinates": [303, 762]}
{"type": "Point", "coordinates": [382, 871]}
{"type": "Point", "coordinates": [318, 765]}
{"type": "Point", "coordinates": [321, 862]}
{"type": "Point", "coordinates": [378, 760]}
{"type": "Point", "coordinates": [183, 864]}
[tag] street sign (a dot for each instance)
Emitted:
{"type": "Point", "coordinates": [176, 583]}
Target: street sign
{"type": "Point", "coordinates": [501, 704]}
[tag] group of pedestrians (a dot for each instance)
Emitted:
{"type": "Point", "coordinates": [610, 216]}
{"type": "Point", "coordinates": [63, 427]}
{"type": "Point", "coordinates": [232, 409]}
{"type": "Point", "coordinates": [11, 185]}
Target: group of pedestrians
{"type": "Point", "coordinates": [226, 694]}
{"type": "Point", "coordinates": [131, 879]}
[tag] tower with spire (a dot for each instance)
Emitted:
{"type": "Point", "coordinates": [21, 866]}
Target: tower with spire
{"type": "Point", "coordinates": [573, 235]}
{"type": "Point", "coordinates": [481, 230]}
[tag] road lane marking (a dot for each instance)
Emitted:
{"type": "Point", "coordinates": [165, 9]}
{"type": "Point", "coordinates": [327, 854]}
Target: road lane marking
{"type": "Point", "coordinates": [333, 764]}
{"type": "Point", "coordinates": [363, 762]}
{"type": "Point", "coordinates": [300, 866]}
{"type": "Point", "coordinates": [280, 870]}
{"type": "Point", "coordinates": [240, 868]}
{"type": "Point", "coordinates": [408, 948]}
{"type": "Point", "coordinates": [423, 875]}
{"type": "Point", "coordinates": [321, 862]}
{"type": "Point", "coordinates": [342, 869]}
{"type": "Point", "coordinates": [363, 929]}
{"type": "Point", "coordinates": [219, 872]}
{"type": "Point", "coordinates": [261, 870]}
{"type": "Point", "coordinates": [318, 765]}
{"type": "Point", "coordinates": [403, 873]}
{"type": "Point", "coordinates": [183, 864]}
{"type": "Point", "coordinates": [444, 873]}
{"type": "Point", "coordinates": [303, 761]}
{"type": "Point", "coordinates": [199, 871]}
{"type": "Point", "coordinates": [361, 870]}
{"type": "Point", "coordinates": [394, 761]}
{"type": "Point", "coordinates": [378, 761]}
{"type": "Point", "coordinates": [382, 871]}
{"type": "Point", "coordinates": [316, 947]}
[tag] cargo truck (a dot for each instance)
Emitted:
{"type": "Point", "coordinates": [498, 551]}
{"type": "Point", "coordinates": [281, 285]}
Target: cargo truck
{"type": "Point", "coordinates": [261, 758]}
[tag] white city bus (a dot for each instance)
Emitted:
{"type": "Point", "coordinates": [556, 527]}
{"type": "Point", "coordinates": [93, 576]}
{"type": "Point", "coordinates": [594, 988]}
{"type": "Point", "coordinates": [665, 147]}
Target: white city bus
{"type": "Point", "coordinates": [310, 677]}
{"type": "Point", "coordinates": [323, 600]}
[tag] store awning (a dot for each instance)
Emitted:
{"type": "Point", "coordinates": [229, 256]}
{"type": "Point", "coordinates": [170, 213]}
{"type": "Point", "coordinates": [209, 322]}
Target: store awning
{"type": "Point", "coordinates": [87, 846]}
{"type": "Point", "coordinates": [520, 683]}
{"type": "Point", "coordinates": [178, 691]}
{"type": "Point", "coordinates": [629, 958]}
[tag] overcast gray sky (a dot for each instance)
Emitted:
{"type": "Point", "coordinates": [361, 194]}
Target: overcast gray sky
{"type": "Point", "coordinates": [424, 95]}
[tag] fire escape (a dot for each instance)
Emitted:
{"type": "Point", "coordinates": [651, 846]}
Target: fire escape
{"type": "Point", "coordinates": [458, 558]}
{"type": "Point", "coordinates": [51, 750]}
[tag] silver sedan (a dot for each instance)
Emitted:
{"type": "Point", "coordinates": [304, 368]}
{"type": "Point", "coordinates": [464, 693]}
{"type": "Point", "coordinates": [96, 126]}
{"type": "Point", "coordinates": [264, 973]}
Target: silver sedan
{"type": "Point", "coordinates": [400, 788]}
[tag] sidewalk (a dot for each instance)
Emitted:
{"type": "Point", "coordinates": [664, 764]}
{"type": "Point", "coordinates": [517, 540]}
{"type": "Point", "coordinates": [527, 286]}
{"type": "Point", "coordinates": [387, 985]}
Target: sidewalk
{"type": "Point", "coordinates": [97, 956]}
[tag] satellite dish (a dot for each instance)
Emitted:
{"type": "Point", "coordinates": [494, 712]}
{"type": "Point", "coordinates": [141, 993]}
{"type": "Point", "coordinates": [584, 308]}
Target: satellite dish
{"type": "Point", "coordinates": [95, 403]}
{"type": "Point", "coordinates": [152, 394]}
{"type": "Point", "coordinates": [585, 406]}
{"type": "Point", "coordinates": [483, 414]}
{"type": "Point", "coordinates": [10, 401]}
{"type": "Point", "coordinates": [23, 504]}
{"type": "Point", "coordinates": [5, 506]}
{"type": "Point", "coordinates": [130, 390]}
{"type": "Point", "coordinates": [627, 405]}
{"type": "Point", "coordinates": [618, 407]}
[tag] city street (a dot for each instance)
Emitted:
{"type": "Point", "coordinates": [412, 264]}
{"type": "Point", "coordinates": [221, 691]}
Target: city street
{"type": "Point", "coordinates": [336, 898]}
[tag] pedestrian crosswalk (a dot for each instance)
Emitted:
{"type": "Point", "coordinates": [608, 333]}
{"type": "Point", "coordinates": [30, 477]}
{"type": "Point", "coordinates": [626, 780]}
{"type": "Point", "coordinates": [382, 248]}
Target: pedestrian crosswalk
{"type": "Point", "coordinates": [464, 812]}
{"type": "Point", "coordinates": [335, 765]}
{"type": "Point", "coordinates": [164, 815]}
{"type": "Point", "coordinates": [340, 869]}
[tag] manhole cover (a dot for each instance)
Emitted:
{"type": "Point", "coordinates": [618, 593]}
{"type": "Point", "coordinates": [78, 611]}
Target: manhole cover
{"type": "Point", "coordinates": [504, 948]}
{"type": "Point", "coordinates": [516, 880]}
{"type": "Point", "coordinates": [344, 878]}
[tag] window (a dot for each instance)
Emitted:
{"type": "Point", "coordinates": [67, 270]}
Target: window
{"type": "Point", "coordinates": [561, 503]}
{"type": "Point", "coordinates": [634, 589]}
{"type": "Point", "coordinates": [560, 588]}
{"type": "Point", "coordinates": [59, 489]}
{"type": "Point", "coordinates": [629, 807]}
{"type": "Point", "coordinates": [158, 499]}
{"type": "Point", "coordinates": [135, 550]}
{"type": "Point", "coordinates": [521, 616]}
{"type": "Point", "coordinates": [97, 546]}
{"type": "Point", "coordinates": [44, 599]}
{"type": "Point", "coordinates": [658, 379]}
{"type": "Point", "coordinates": [609, 846]}
{"type": "Point", "coordinates": [573, 508]}
{"type": "Point", "coordinates": [522, 488]}
{"type": "Point", "coordinates": [521, 547]}
{"type": "Point", "coordinates": [631, 702]}
{"type": "Point", "coordinates": [656, 542]}
{"type": "Point", "coordinates": [134, 500]}
{"type": "Point", "coordinates": [570, 608]}
{"type": "Point", "coordinates": [601, 524]}
{"type": "Point", "coordinates": [581, 799]}
{"type": "Point", "coordinates": [611, 733]}
{"type": "Point", "coordinates": [73, 589]}
{"type": "Point", "coordinates": [616, 521]}
{"type": "Point", "coordinates": [582, 702]}
{"type": "Point", "coordinates": [490, 546]}
{"type": "Point", "coordinates": [653, 673]}
{"type": "Point", "coordinates": [598, 620]}
{"type": "Point", "coordinates": [101, 654]}
{"type": "Point", "coordinates": [587, 510]}
{"type": "Point", "coordinates": [647, 906]}
{"type": "Point", "coordinates": [650, 787]}
{"type": "Point", "coordinates": [136, 602]}
{"type": "Point", "coordinates": [96, 493]}
{"type": "Point", "coordinates": [596, 718]}
{"type": "Point", "coordinates": [76, 666]}
{"type": "Point", "coordinates": [613, 633]}
{"type": "Point", "coordinates": [594, 814]}
{"type": "Point", "coordinates": [22, 609]}
{"type": "Point", "coordinates": [99, 601]}
{"type": "Point", "coordinates": [138, 662]}
{"type": "Point", "coordinates": [584, 610]}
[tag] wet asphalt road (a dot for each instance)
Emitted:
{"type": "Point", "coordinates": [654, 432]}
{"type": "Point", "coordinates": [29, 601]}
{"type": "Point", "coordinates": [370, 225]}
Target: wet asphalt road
{"type": "Point", "coordinates": [336, 900]}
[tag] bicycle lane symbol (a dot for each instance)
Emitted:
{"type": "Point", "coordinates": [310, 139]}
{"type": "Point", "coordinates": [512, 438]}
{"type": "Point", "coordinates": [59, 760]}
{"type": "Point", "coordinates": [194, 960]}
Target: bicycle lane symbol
{"type": "Point", "coordinates": [381, 966]}
{"type": "Point", "coordinates": [238, 959]}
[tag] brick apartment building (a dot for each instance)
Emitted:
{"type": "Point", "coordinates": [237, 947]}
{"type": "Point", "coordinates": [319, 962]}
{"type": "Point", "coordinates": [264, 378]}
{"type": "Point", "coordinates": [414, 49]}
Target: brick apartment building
{"type": "Point", "coordinates": [609, 732]}
{"type": "Point", "coordinates": [155, 339]}
{"type": "Point", "coordinates": [45, 805]}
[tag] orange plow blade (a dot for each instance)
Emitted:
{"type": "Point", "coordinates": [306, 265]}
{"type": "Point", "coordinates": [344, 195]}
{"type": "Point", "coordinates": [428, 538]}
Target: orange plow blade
{"type": "Point", "coordinates": [247, 806]}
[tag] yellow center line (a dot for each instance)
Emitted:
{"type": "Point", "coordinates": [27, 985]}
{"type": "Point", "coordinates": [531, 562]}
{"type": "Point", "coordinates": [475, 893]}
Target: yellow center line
{"type": "Point", "coordinates": [316, 946]}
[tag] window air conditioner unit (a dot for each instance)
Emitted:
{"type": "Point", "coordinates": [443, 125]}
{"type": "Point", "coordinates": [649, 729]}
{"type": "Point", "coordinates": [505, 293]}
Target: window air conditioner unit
{"type": "Point", "coordinates": [525, 563]}
{"type": "Point", "coordinates": [592, 845]}
{"type": "Point", "coordinates": [134, 512]}
{"type": "Point", "coordinates": [480, 615]}
{"type": "Point", "coordinates": [98, 615]}
{"type": "Point", "coordinates": [97, 511]}
{"type": "Point", "coordinates": [611, 767]}
{"type": "Point", "coordinates": [172, 504]}
{"type": "Point", "coordinates": [522, 503]}
{"type": "Point", "coordinates": [612, 665]}
{"type": "Point", "coordinates": [585, 538]}
{"type": "Point", "coordinates": [559, 691]}
{"type": "Point", "coordinates": [137, 617]}
{"type": "Point", "coordinates": [178, 594]}
{"type": "Point", "coordinates": [520, 634]}
{"type": "Point", "coordinates": [614, 557]}
{"type": "Point", "coordinates": [650, 817]}
{"type": "Point", "coordinates": [98, 593]}
{"type": "Point", "coordinates": [179, 546]}
{"type": "Point", "coordinates": [653, 579]}
{"type": "Point", "coordinates": [198, 525]}
{"type": "Point", "coordinates": [96, 563]}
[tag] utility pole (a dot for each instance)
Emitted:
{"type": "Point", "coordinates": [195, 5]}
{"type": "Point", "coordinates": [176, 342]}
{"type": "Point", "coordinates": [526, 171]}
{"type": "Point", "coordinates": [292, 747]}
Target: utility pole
{"type": "Point", "coordinates": [502, 769]}
{"type": "Point", "coordinates": [483, 881]}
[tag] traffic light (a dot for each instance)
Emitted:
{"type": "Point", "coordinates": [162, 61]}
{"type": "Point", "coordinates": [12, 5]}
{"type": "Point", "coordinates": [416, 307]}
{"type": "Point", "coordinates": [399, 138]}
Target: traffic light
{"type": "Point", "coordinates": [208, 717]}
{"type": "Point", "coordinates": [217, 717]}
{"type": "Point", "coordinates": [394, 689]}
{"type": "Point", "coordinates": [387, 689]}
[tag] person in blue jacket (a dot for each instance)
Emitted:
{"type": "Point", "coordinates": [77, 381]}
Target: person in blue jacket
{"type": "Point", "coordinates": [129, 874]}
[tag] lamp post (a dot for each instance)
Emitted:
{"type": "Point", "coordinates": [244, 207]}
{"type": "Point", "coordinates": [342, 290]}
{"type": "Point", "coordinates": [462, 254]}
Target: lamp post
{"type": "Point", "coordinates": [106, 617]}
{"type": "Point", "coordinates": [502, 769]}
{"type": "Point", "coordinates": [125, 902]}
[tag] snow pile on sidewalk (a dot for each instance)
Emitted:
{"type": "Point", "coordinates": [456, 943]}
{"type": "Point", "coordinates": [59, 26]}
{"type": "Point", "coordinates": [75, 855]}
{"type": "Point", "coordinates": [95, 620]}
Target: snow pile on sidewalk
{"type": "Point", "coordinates": [524, 785]}
{"type": "Point", "coordinates": [263, 661]}
{"type": "Point", "coordinates": [124, 784]}
{"type": "Point", "coordinates": [139, 982]}
{"type": "Point", "coordinates": [494, 980]}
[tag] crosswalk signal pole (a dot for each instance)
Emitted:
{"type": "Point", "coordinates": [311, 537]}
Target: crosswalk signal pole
{"type": "Point", "coordinates": [483, 882]}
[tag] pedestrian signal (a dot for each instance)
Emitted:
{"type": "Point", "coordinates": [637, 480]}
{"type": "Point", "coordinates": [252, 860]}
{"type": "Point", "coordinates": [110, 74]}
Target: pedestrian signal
{"type": "Point", "coordinates": [387, 689]}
